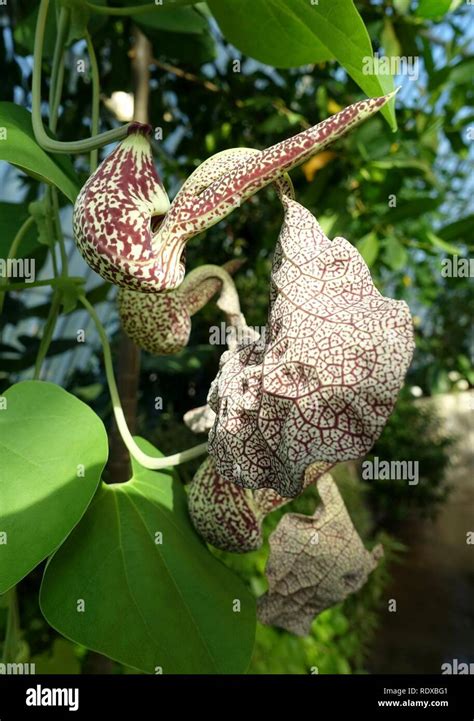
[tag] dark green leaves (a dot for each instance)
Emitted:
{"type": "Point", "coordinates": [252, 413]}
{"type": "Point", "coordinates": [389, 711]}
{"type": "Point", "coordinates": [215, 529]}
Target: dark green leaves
{"type": "Point", "coordinates": [19, 147]}
{"type": "Point", "coordinates": [53, 449]}
{"type": "Point", "coordinates": [134, 582]}
{"type": "Point", "coordinates": [178, 20]}
{"type": "Point", "coordinates": [288, 33]}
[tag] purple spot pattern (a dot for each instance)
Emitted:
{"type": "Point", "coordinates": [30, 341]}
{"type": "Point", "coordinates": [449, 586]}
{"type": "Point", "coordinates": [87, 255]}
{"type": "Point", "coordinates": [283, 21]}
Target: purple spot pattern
{"type": "Point", "coordinates": [160, 323]}
{"type": "Point", "coordinates": [224, 514]}
{"type": "Point", "coordinates": [112, 215]}
{"type": "Point", "coordinates": [114, 208]}
{"type": "Point", "coordinates": [322, 385]}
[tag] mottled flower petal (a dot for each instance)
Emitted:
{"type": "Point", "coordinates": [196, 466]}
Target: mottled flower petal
{"type": "Point", "coordinates": [314, 563]}
{"type": "Point", "coordinates": [322, 385]}
{"type": "Point", "coordinates": [160, 323]}
{"type": "Point", "coordinates": [224, 514]}
{"type": "Point", "coordinates": [118, 213]}
{"type": "Point", "coordinates": [113, 215]}
{"type": "Point", "coordinates": [200, 419]}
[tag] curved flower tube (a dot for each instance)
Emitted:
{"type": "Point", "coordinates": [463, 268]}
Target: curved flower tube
{"type": "Point", "coordinates": [116, 211]}
{"type": "Point", "coordinates": [224, 514]}
{"type": "Point", "coordinates": [160, 323]}
{"type": "Point", "coordinates": [126, 229]}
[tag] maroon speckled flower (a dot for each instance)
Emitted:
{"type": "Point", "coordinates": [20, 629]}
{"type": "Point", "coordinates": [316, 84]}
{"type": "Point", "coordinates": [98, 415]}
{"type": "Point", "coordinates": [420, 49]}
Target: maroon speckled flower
{"type": "Point", "coordinates": [122, 223]}
{"type": "Point", "coordinates": [160, 323]}
{"type": "Point", "coordinates": [323, 383]}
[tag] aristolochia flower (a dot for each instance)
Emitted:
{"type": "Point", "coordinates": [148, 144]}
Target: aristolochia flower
{"type": "Point", "coordinates": [323, 383]}
{"type": "Point", "coordinates": [224, 514]}
{"type": "Point", "coordinates": [128, 233]}
{"type": "Point", "coordinates": [160, 323]}
{"type": "Point", "coordinates": [315, 562]}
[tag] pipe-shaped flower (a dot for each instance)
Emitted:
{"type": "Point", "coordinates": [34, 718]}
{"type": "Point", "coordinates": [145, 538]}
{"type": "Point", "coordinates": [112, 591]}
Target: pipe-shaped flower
{"type": "Point", "coordinates": [113, 215]}
{"type": "Point", "coordinates": [117, 211]}
{"type": "Point", "coordinates": [224, 514]}
{"type": "Point", "coordinates": [160, 323]}
{"type": "Point", "coordinates": [230, 517]}
{"type": "Point", "coordinates": [322, 385]}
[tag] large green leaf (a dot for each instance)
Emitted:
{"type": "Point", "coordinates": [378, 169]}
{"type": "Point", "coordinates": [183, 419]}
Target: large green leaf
{"type": "Point", "coordinates": [53, 449]}
{"type": "Point", "coordinates": [287, 33]}
{"type": "Point", "coordinates": [147, 603]}
{"type": "Point", "coordinates": [21, 149]}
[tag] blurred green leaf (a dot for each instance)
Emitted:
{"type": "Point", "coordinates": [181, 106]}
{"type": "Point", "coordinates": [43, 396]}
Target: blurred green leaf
{"type": "Point", "coordinates": [24, 33]}
{"type": "Point", "coordinates": [60, 659]}
{"type": "Point", "coordinates": [395, 254]}
{"type": "Point", "coordinates": [460, 230]}
{"type": "Point", "coordinates": [176, 20]}
{"type": "Point", "coordinates": [389, 40]}
{"type": "Point", "coordinates": [368, 247]}
{"type": "Point", "coordinates": [432, 8]}
{"type": "Point", "coordinates": [442, 244]}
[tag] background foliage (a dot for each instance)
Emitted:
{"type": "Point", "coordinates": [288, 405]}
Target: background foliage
{"type": "Point", "coordinates": [204, 102]}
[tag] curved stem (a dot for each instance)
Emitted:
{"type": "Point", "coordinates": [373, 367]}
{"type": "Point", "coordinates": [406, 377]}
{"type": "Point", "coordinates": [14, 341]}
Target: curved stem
{"type": "Point", "coordinates": [19, 236]}
{"type": "Point", "coordinates": [95, 98]}
{"type": "Point", "coordinates": [53, 282]}
{"type": "Point", "coordinates": [137, 10]}
{"type": "Point", "coordinates": [195, 300]}
{"type": "Point", "coordinates": [13, 251]}
{"type": "Point", "coordinates": [47, 333]}
{"type": "Point", "coordinates": [57, 69]}
{"type": "Point", "coordinates": [141, 457]}
{"type": "Point", "coordinates": [56, 146]}
{"type": "Point", "coordinates": [58, 230]}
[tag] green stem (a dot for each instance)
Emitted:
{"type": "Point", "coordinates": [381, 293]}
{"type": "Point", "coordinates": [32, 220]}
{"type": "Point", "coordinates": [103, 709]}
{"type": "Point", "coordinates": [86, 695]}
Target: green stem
{"type": "Point", "coordinates": [138, 9]}
{"type": "Point", "coordinates": [53, 282]}
{"type": "Point", "coordinates": [12, 253]}
{"type": "Point", "coordinates": [56, 146]}
{"type": "Point", "coordinates": [12, 635]}
{"type": "Point", "coordinates": [57, 69]}
{"type": "Point", "coordinates": [134, 450]}
{"type": "Point", "coordinates": [59, 231]}
{"type": "Point", "coordinates": [95, 98]}
{"type": "Point", "coordinates": [19, 236]}
{"type": "Point", "coordinates": [47, 333]}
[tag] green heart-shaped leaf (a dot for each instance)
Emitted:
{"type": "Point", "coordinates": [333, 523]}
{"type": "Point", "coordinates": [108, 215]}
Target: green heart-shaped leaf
{"type": "Point", "coordinates": [53, 449]}
{"type": "Point", "coordinates": [134, 582]}
{"type": "Point", "coordinates": [19, 147]}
